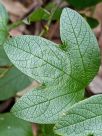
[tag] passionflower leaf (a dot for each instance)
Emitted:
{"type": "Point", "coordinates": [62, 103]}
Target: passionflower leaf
{"type": "Point", "coordinates": [64, 70]}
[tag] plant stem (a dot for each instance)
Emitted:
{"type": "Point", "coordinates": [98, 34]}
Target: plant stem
{"type": "Point", "coordinates": [46, 28]}
{"type": "Point", "coordinates": [16, 24]}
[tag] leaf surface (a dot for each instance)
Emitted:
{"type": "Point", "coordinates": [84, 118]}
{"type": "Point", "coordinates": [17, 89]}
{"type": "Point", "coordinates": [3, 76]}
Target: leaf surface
{"type": "Point", "coordinates": [4, 60]}
{"type": "Point", "coordinates": [81, 4]}
{"type": "Point", "coordinates": [92, 22]}
{"type": "Point", "coordinates": [38, 15]}
{"type": "Point", "coordinates": [11, 81]}
{"type": "Point", "coordinates": [3, 14]}
{"type": "Point", "coordinates": [82, 119]}
{"type": "Point", "coordinates": [10, 126]}
{"type": "Point", "coordinates": [44, 13]}
{"type": "Point", "coordinates": [65, 70]}
{"type": "Point", "coordinates": [3, 24]}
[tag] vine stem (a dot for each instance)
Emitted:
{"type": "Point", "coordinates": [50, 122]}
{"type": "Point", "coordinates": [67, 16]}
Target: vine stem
{"type": "Point", "coordinates": [46, 28]}
{"type": "Point", "coordinates": [16, 24]}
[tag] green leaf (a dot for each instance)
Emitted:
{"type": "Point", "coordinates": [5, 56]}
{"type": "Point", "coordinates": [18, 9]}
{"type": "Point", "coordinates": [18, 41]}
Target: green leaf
{"type": "Point", "coordinates": [3, 24]}
{"type": "Point", "coordinates": [80, 4]}
{"type": "Point", "coordinates": [92, 22]}
{"type": "Point", "coordinates": [4, 61]}
{"type": "Point", "coordinates": [3, 71]}
{"type": "Point", "coordinates": [82, 119]}
{"type": "Point", "coordinates": [11, 126]}
{"type": "Point", "coordinates": [43, 14]}
{"type": "Point", "coordinates": [11, 79]}
{"type": "Point", "coordinates": [3, 14]}
{"type": "Point", "coordinates": [3, 34]}
{"type": "Point", "coordinates": [47, 130]}
{"type": "Point", "coordinates": [50, 6]}
{"type": "Point", "coordinates": [38, 15]}
{"type": "Point", "coordinates": [11, 82]}
{"type": "Point", "coordinates": [57, 13]}
{"type": "Point", "coordinates": [65, 70]}
{"type": "Point", "coordinates": [45, 106]}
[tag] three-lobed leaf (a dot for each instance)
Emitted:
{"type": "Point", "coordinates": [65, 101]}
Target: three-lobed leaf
{"type": "Point", "coordinates": [82, 119]}
{"type": "Point", "coordinates": [65, 70]}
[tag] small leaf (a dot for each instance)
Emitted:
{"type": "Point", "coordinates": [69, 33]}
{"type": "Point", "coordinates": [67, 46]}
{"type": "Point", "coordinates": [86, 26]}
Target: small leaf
{"type": "Point", "coordinates": [80, 4]}
{"type": "Point", "coordinates": [92, 22]}
{"type": "Point", "coordinates": [3, 24]}
{"type": "Point", "coordinates": [38, 15]}
{"type": "Point", "coordinates": [57, 13]}
{"type": "Point", "coordinates": [11, 126]}
{"type": "Point", "coordinates": [65, 70]}
{"type": "Point", "coordinates": [50, 6]}
{"type": "Point", "coordinates": [44, 14]}
{"type": "Point", "coordinates": [82, 119]}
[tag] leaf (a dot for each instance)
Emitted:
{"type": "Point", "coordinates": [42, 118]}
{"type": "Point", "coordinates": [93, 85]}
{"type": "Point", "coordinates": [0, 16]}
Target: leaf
{"type": "Point", "coordinates": [65, 70]}
{"type": "Point", "coordinates": [38, 15]}
{"type": "Point", "coordinates": [82, 119]}
{"type": "Point", "coordinates": [45, 106]}
{"type": "Point", "coordinates": [80, 4]}
{"type": "Point", "coordinates": [4, 61]}
{"type": "Point", "coordinates": [3, 34]}
{"type": "Point", "coordinates": [3, 24]}
{"type": "Point", "coordinates": [80, 43]}
{"type": "Point", "coordinates": [10, 126]}
{"type": "Point", "coordinates": [57, 13]}
{"type": "Point", "coordinates": [3, 14]}
{"type": "Point", "coordinates": [92, 22]}
{"type": "Point", "coordinates": [50, 6]}
{"type": "Point", "coordinates": [43, 14]}
{"type": "Point", "coordinates": [11, 79]}
{"type": "Point", "coordinates": [11, 82]}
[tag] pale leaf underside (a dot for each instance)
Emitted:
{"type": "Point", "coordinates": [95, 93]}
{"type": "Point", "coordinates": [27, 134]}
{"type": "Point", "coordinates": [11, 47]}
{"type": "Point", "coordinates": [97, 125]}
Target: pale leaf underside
{"type": "Point", "coordinates": [64, 70]}
{"type": "Point", "coordinates": [82, 119]}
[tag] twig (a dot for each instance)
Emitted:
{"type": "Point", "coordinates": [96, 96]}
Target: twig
{"type": "Point", "coordinates": [20, 22]}
{"type": "Point", "coordinates": [46, 27]}
{"type": "Point", "coordinates": [16, 24]}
